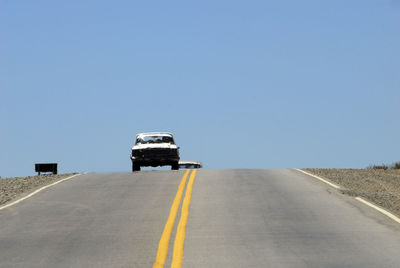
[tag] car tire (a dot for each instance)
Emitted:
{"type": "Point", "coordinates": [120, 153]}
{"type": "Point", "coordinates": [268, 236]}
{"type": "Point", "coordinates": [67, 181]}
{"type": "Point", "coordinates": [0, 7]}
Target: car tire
{"type": "Point", "coordinates": [135, 167]}
{"type": "Point", "coordinates": [175, 166]}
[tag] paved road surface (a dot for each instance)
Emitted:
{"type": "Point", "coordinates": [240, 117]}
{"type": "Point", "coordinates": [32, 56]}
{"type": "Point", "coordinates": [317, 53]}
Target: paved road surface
{"type": "Point", "coordinates": [237, 218]}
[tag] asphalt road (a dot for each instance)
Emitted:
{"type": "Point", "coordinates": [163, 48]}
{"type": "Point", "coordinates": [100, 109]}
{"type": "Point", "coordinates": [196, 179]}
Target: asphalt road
{"type": "Point", "coordinates": [237, 218]}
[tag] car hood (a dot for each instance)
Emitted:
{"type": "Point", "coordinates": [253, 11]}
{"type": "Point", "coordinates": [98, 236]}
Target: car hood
{"type": "Point", "coordinates": [155, 146]}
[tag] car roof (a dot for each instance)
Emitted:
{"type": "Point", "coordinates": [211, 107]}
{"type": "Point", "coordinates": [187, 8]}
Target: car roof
{"type": "Point", "coordinates": [154, 134]}
{"type": "Point", "coordinates": [189, 163]}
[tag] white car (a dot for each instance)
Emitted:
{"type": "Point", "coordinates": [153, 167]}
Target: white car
{"type": "Point", "coordinates": [190, 164]}
{"type": "Point", "coordinates": [155, 149]}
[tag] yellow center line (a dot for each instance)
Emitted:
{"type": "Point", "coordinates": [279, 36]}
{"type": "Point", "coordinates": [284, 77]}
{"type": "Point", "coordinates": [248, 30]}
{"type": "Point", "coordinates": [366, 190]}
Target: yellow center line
{"type": "Point", "coordinates": [180, 233]}
{"type": "Point", "coordinates": [166, 235]}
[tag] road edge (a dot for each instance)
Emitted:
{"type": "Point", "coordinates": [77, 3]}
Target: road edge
{"type": "Point", "coordinates": [36, 191]}
{"type": "Point", "coordinates": [358, 198]}
{"type": "Point", "coordinates": [381, 210]}
{"type": "Point", "coordinates": [319, 178]}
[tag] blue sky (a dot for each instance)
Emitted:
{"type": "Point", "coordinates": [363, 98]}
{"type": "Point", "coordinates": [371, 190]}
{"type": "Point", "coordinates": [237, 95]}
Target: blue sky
{"type": "Point", "coordinates": [241, 84]}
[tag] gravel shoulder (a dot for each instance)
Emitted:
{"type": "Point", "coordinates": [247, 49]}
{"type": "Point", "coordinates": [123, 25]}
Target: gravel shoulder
{"type": "Point", "coordinates": [14, 188]}
{"type": "Point", "coordinates": [381, 187]}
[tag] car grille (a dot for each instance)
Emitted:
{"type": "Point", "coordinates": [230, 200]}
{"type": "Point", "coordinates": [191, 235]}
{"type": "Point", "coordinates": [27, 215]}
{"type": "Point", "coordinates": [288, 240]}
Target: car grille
{"type": "Point", "coordinates": [155, 153]}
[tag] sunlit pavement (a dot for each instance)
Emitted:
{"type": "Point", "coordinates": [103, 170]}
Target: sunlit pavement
{"type": "Point", "coordinates": [235, 218]}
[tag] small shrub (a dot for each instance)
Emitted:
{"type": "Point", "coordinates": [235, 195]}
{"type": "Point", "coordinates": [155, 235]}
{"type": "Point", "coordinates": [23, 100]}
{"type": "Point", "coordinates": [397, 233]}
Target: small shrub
{"type": "Point", "coordinates": [396, 165]}
{"type": "Point", "coordinates": [383, 166]}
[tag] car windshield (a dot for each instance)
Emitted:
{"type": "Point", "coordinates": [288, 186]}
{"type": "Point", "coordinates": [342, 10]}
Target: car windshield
{"type": "Point", "coordinates": [154, 139]}
{"type": "Point", "coordinates": [187, 166]}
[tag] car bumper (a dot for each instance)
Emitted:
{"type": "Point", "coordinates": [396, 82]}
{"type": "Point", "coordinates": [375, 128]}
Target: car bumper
{"type": "Point", "coordinates": [155, 161]}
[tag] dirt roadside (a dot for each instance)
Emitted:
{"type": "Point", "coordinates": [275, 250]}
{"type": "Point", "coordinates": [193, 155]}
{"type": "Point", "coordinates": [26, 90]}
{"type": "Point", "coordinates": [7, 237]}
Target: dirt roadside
{"type": "Point", "coordinates": [14, 188]}
{"type": "Point", "coordinates": [381, 187]}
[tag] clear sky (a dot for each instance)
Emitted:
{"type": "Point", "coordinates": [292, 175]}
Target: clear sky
{"type": "Point", "coordinates": [241, 84]}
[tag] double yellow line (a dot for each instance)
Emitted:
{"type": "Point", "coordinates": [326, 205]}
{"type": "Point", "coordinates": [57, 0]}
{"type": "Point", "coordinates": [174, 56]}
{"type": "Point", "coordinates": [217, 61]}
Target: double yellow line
{"type": "Point", "coordinates": [162, 251]}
